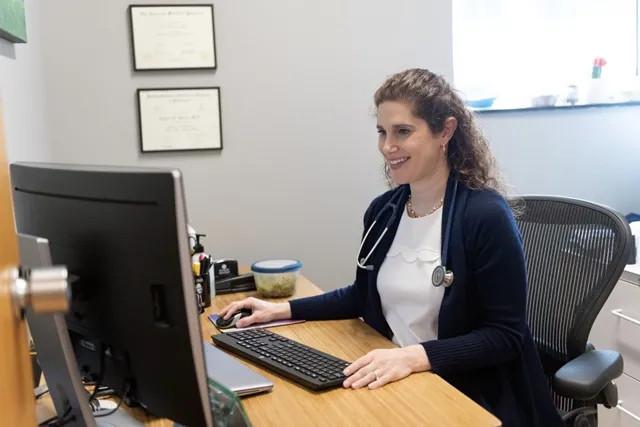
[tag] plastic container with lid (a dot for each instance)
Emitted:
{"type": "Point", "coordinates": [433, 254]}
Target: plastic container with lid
{"type": "Point", "coordinates": [276, 278]}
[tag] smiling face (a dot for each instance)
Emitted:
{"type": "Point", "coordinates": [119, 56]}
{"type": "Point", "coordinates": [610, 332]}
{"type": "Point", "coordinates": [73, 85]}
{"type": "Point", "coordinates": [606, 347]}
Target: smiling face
{"type": "Point", "coordinates": [413, 153]}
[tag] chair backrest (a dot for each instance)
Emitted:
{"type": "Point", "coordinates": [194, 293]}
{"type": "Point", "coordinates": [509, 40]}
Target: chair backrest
{"type": "Point", "coordinates": [576, 252]}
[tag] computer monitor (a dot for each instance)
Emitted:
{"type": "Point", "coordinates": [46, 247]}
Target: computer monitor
{"type": "Point", "coordinates": [133, 320]}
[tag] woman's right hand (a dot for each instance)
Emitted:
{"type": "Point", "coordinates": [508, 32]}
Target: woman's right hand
{"type": "Point", "coordinates": [261, 311]}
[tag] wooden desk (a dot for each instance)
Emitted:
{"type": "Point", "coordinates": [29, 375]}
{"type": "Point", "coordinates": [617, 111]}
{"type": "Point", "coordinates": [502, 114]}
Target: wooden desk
{"type": "Point", "coordinates": [422, 399]}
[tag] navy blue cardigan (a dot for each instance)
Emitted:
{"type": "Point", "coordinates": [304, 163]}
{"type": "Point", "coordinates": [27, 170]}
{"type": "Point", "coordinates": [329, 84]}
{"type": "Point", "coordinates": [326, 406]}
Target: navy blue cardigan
{"type": "Point", "coordinates": [484, 347]}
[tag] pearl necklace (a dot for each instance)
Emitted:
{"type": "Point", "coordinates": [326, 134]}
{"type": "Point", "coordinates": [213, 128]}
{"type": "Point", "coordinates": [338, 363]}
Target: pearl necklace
{"type": "Point", "coordinates": [412, 213]}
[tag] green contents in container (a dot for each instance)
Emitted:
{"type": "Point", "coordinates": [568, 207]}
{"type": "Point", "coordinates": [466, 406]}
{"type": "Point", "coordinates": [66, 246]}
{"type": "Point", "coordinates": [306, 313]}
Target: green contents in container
{"type": "Point", "coordinates": [275, 285]}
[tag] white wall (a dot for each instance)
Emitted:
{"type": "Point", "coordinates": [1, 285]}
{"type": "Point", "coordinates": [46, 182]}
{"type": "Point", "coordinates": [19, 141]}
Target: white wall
{"type": "Point", "coordinates": [22, 93]}
{"type": "Point", "coordinates": [592, 154]}
{"type": "Point", "coordinates": [300, 163]}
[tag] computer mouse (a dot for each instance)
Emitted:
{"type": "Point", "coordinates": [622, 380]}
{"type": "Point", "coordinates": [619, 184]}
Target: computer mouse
{"type": "Point", "coordinates": [231, 321]}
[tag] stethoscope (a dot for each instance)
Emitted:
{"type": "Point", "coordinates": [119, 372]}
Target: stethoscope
{"type": "Point", "coordinates": [440, 276]}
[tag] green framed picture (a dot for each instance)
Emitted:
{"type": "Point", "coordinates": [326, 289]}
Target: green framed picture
{"type": "Point", "coordinates": [12, 23]}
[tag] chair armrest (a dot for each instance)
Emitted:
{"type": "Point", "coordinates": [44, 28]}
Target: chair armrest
{"type": "Point", "coordinates": [585, 376]}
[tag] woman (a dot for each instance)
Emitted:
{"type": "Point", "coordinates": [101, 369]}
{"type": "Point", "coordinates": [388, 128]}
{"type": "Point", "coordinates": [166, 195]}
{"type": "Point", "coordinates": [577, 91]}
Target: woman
{"type": "Point", "coordinates": [445, 209]}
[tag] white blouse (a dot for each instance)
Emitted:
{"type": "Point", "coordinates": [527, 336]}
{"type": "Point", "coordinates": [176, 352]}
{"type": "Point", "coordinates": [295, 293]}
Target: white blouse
{"type": "Point", "coordinates": [410, 303]}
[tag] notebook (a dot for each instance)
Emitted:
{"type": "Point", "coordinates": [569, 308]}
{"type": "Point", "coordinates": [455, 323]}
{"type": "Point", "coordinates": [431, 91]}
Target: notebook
{"type": "Point", "coordinates": [233, 374]}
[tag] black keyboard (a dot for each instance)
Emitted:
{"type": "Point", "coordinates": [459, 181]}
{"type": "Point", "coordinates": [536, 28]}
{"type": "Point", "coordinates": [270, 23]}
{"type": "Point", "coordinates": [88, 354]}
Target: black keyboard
{"type": "Point", "coordinates": [307, 366]}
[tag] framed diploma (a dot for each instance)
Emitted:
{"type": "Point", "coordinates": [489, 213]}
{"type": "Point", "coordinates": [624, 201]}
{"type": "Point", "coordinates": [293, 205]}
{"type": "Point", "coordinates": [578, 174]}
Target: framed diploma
{"type": "Point", "coordinates": [172, 37]}
{"type": "Point", "coordinates": [180, 119]}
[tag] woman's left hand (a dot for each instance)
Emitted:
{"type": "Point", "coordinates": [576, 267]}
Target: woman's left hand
{"type": "Point", "coordinates": [379, 367]}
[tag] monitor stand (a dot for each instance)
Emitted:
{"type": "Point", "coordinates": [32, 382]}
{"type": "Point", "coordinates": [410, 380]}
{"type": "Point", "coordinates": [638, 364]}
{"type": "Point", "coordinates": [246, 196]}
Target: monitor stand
{"type": "Point", "coordinates": [55, 353]}
{"type": "Point", "coordinates": [56, 356]}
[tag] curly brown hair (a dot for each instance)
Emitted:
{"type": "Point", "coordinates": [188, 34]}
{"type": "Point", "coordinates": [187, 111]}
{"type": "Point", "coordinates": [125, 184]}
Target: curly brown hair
{"type": "Point", "coordinates": [434, 100]}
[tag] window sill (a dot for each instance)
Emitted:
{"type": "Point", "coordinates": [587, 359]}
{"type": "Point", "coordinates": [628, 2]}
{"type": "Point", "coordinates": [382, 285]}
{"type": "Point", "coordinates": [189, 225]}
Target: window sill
{"type": "Point", "coordinates": [555, 107]}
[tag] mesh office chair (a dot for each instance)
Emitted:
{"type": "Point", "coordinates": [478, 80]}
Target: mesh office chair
{"type": "Point", "coordinates": [576, 252]}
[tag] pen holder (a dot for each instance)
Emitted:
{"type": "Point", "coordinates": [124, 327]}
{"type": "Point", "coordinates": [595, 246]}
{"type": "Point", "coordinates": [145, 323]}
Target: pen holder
{"type": "Point", "coordinates": [202, 274]}
{"type": "Point", "coordinates": [203, 292]}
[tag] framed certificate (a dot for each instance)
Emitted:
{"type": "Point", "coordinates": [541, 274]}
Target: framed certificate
{"type": "Point", "coordinates": [172, 37]}
{"type": "Point", "coordinates": [179, 119]}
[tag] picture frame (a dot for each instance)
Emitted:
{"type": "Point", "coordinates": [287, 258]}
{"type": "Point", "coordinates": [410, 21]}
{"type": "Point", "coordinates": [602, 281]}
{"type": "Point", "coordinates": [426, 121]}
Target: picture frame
{"type": "Point", "coordinates": [13, 26]}
{"type": "Point", "coordinates": [179, 119]}
{"type": "Point", "coordinates": [172, 37]}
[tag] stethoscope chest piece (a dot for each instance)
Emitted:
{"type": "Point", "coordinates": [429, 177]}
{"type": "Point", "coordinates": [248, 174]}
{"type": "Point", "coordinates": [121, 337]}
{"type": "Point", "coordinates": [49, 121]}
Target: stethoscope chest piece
{"type": "Point", "coordinates": [441, 276]}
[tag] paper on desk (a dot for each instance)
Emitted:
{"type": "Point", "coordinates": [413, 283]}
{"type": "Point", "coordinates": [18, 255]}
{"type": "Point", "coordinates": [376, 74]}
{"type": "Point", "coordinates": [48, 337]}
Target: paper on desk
{"type": "Point", "coordinates": [214, 317]}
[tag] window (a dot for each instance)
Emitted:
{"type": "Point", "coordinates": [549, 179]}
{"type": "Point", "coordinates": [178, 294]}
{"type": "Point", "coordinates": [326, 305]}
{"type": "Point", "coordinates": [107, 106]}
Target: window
{"type": "Point", "coordinates": [520, 50]}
